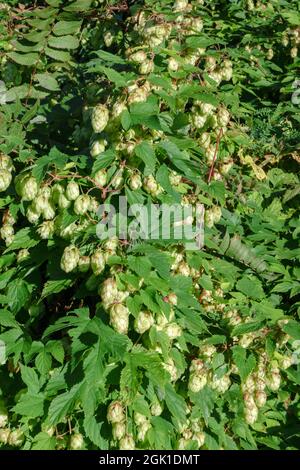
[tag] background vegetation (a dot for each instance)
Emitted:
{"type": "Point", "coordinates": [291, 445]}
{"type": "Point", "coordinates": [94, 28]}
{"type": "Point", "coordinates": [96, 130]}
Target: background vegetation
{"type": "Point", "coordinates": [147, 345]}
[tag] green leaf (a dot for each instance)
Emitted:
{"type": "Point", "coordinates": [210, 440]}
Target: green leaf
{"type": "Point", "coordinates": [32, 48]}
{"type": "Point", "coordinates": [42, 441]}
{"type": "Point", "coordinates": [7, 319]}
{"type": "Point", "coordinates": [62, 28]}
{"type": "Point", "coordinates": [245, 364]}
{"type": "Point", "coordinates": [205, 282]}
{"type": "Point", "coordinates": [141, 406]}
{"type": "Point", "coordinates": [113, 76]}
{"type": "Point", "coordinates": [43, 362]}
{"type": "Point", "coordinates": [63, 404]}
{"type": "Point", "coordinates": [103, 160]}
{"type": "Point", "coordinates": [129, 380]}
{"type": "Point", "coordinates": [36, 36]}
{"type": "Point", "coordinates": [30, 378]}
{"type": "Point", "coordinates": [134, 304]}
{"type": "Point", "coordinates": [54, 3]}
{"type": "Point", "coordinates": [5, 277]}
{"type": "Point", "coordinates": [266, 310]}
{"type": "Point", "coordinates": [292, 328]}
{"type": "Point", "coordinates": [140, 265]}
{"type": "Point", "coordinates": [61, 56]}
{"type": "Point", "coordinates": [251, 287]}
{"type": "Point", "coordinates": [55, 286]}
{"type": "Point", "coordinates": [79, 5]}
{"type": "Point", "coordinates": [31, 112]}
{"type": "Point", "coordinates": [245, 328]}
{"type": "Point", "coordinates": [47, 81]}
{"type": "Point", "coordinates": [30, 405]}
{"type": "Point", "coordinates": [24, 238]}
{"type": "Point", "coordinates": [108, 57]}
{"type": "Point", "coordinates": [161, 262]}
{"type": "Point", "coordinates": [63, 42]}
{"type": "Point", "coordinates": [18, 294]}
{"type": "Point", "coordinates": [93, 431]}
{"type": "Point", "coordinates": [161, 433]}
{"type": "Point", "coordinates": [57, 350]}
{"type": "Point", "coordinates": [205, 402]}
{"type": "Point", "coordinates": [146, 153]}
{"type": "Point", "coordinates": [162, 177]}
{"type": "Point", "coordinates": [176, 404]}
{"type": "Point", "coordinates": [292, 17]}
{"type": "Point", "coordinates": [24, 59]}
{"type": "Point", "coordinates": [125, 120]}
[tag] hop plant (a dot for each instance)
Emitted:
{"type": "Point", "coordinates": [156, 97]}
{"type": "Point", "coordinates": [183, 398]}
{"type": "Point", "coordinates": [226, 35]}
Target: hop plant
{"type": "Point", "coordinates": [197, 382]}
{"type": "Point", "coordinates": [115, 412]}
{"type": "Point", "coordinates": [48, 212]}
{"type": "Point", "coordinates": [156, 409]}
{"type": "Point", "coordinates": [119, 430]}
{"type": "Point", "coordinates": [143, 322]}
{"type": "Point", "coordinates": [72, 191]}
{"type": "Point", "coordinates": [16, 438]}
{"type": "Point", "coordinates": [146, 67]}
{"type": "Point", "coordinates": [135, 182]}
{"type": "Point", "coordinates": [28, 188]}
{"type": "Point", "coordinates": [139, 57]}
{"type": "Point", "coordinates": [223, 117]}
{"type": "Point", "coordinates": [100, 118]}
{"type": "Point", "coordinates": [110, 246]}
{"type": "Point", "coordinates": [98, 147]}
{"type": "Point", "coordinates": [220, 384]}
{"type": "Point", "coordinates": [173, 330]}
{"type": "Point", "coordinates": [117, 180]}
{"type": "Point", "coordinates": [32, 215]}
{"type": "Point", "coordinates": [127, 443]}
{"type": "Point", "coordinates": [46, 229]}
{"type": "Point", "coordinates": [251, 410]}
{"type": "Point", "coordinates": [63, 201]}
{"type": "Point", "coordinates": [5, 179]}
{"type": "Point", "coordinates": [142, 430]}
{"type": "Point", "coordinates": [213, 215]}
{"type": "Point", "coordinates": [119, 318]}
{"type": "Point", "coordinates": [76, 441]}
{"type": "Point", "coordinates": [3, 416]}
{"type": "Point", "coordinates": [170, 367]}
{"type": "Point", "coordinates": [22, 255]}
{"type": "Point", "coordinates": [7, 233]}
{"type": "Point", "coordinates": [4, 435]}
{"type": "Point", "coordinates": [101, 178]}
{"type": "Point", "coordinates": [151, 186]}
{"type": "Point", "coordinates": [70, 259]}
{"type": "Point", "coordinates": [260, 398]}
{"type": "Point", "coordinates": [84, 264]}
{"type": "Point", "coordinates": [208, 350]}
{"type": "Point", "coordinates": [82, 204]}
{"type": "Point", "coordinates": [56, 191]}
{"type": "Point", "coordinates": [98, 262]}
{"type": "Point", "coordinates": [108, 38]}
{"type": "Point", "coordinates": [6, 162]}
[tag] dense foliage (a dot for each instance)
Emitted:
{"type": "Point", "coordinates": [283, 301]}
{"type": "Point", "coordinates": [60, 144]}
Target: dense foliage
{"type": "Point", "coordinates": [144, 344]}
